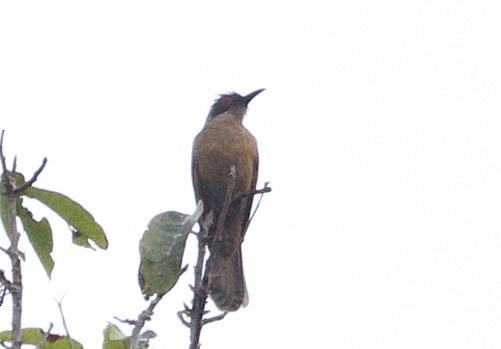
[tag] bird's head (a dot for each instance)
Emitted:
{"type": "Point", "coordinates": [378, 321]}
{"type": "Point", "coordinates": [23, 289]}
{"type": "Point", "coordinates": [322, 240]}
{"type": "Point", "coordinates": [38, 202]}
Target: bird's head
{"type": "Point", "coordinates": [232, 102]}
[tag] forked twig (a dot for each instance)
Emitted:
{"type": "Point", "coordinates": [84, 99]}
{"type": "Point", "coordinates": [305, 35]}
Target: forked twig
{"type": "Point", "coordinates": [60, 306]}
{"type": "Point", "coordinates": [32, 180]}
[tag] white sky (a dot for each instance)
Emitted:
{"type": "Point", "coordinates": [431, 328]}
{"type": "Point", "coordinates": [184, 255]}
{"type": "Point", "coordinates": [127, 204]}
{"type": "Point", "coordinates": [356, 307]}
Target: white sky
{"type": "Point", "coordinates": [379, 130]}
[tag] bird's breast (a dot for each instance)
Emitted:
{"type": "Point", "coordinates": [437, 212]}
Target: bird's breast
{"type": "Point", "coordinates": [219, 147]}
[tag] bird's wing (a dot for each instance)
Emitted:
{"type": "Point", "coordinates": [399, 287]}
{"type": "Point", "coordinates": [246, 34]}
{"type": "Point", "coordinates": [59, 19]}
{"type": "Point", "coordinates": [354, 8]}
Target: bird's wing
{"type": "Point", "coordinates": [195, 171]}
{"type": "Point", "coordinates": [251, 198]}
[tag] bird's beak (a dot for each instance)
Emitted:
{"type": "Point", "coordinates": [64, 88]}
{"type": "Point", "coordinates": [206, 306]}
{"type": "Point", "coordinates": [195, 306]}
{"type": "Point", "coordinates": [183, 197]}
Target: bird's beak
{"type": "Point", "coordinates": [251, 95]}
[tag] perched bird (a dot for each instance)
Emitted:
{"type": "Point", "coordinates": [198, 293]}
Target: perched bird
{"type": "Point", "coordinates": [222, 143]}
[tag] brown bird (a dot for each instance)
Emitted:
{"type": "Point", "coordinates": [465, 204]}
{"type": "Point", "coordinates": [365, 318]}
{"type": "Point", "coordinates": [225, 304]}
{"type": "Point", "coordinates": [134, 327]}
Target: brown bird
{"type": "Point", "coordinates": [224, 142]}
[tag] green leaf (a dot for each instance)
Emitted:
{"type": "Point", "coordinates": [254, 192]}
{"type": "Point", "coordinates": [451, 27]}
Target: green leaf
{"type": "Point", "coordinates": [36, 336]}
{"type": "Point", "coordinates": [114, 338]}
{"type": "Point", "coordinates": [29, 335]}
{"type": "Point", "coordinates": [4, 204]}
{"type": "Point", "coordinates": [79, 239]}
{"type": "Point", "coordinates": [40, 236]}
{"type": "Point", "coordinates": [73, 213]}
{"type": "Point", "coordinates": [4, 208]}
{"type": "Point", "coordinates": [161, 251]}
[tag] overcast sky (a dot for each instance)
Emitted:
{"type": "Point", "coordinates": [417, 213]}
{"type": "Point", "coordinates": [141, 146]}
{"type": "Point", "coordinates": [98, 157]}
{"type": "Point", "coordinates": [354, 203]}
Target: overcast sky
{"type": "Point", "coordinates": [379, 132]}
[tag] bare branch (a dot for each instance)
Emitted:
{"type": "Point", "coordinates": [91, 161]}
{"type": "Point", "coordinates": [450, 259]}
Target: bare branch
{"type": "Point", "coordinates": [8, 186]}
{"type": "Point", "coordinates": [126, 321]}
{"type": "Point", "coordinates": [200, 290]}
{"type": "Point", "coordinates": [16, 286]}
{"type": "Point", "coordinates": [141, 320]}
{"type": "Point", "coordinates": [183, 321]}
{"type": "Point", "coordinates": [199, 293]}
{"type": "Point", "coordinates": [214, 318]}
{"type": "Point", "coordinates": [263, 191]}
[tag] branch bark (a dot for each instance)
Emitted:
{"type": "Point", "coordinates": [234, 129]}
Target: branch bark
{"type": "Point", "coordinates": [16, 286]}
{"type": "Point", "coordinates": [141, 320]}
{"type": "Point", "coordinates": [138, 324]}
{"type": "Point", "coordinates": [200, 291]}
{"type": "Point", "coordinates": [199, 295]}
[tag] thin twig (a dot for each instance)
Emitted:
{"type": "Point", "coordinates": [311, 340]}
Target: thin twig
{"type": "Point", "coordinates": [199, 292]}
{"type": "Point", "coordinates": [126, 321]}
{"type": "Point", "coordinates": [257, 205]}
{"type": "Point", "coordinates": [60, 306]}
{"type": "Point", "coordinates": [214, 318]}
{"type": "Point", "coordinates": [180, 316]}
{"type": "Point", "coordinates": [141, 320]}
{"type": "Point", "coordinates": [262, 191]}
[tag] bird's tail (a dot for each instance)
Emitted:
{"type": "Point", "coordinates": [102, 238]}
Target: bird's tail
{"type": "Point", "coordinates": [226, 281]}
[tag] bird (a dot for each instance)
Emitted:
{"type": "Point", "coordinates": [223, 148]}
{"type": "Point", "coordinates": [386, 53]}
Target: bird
{"type": "Point", "coordinates": [223, 143]}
